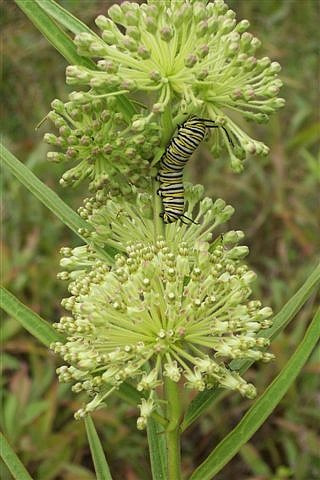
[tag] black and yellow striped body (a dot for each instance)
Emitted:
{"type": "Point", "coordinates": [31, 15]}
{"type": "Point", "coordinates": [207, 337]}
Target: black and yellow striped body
{"type": "Point", "coordinates": [170, 175]}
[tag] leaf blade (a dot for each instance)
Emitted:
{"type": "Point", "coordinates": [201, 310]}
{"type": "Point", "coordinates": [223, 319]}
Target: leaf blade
{"type": "Point", "coordinates": [204, 399]}
{"type": "Point", "coordinates": [262, 408]}
{"type": "Point", "coordinates": [64, 17]}
{"type": "Point", "coordinates": [157, 449]}
{"type": "Point", "coordinates": [31, 321]}
{"type": "Point", "coordinates": [48, 197]}
{"type": "Point", "coordinates": [12, 461]}
{"type": "Point", "coordinates": [53, 33]}
{"type": "Point", "coordinates": [99, 460]}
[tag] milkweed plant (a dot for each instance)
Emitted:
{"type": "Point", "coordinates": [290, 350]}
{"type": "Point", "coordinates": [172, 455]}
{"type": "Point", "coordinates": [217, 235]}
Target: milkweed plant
{"type": "Point", "coordinates": [169, 305]}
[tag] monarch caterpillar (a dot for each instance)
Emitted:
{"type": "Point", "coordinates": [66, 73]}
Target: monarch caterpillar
{"type": "Point", "coordinates": [170, 175]}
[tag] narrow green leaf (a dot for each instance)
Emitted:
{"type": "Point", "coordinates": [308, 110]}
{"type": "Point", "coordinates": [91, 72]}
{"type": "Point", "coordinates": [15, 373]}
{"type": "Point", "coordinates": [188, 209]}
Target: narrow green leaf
{"type": "Point", "coordinates": [157, 450]}
{"type": "Point", "coordinates": [37, 326]}
{"type": "Point", "coordinates": [64, 17]}
{"type": "Point", "coordinates": [12, 461]}
{"type": "Point", "coordinates": [204, 399]}
{"type": "Point", "coordinates": [53, 33]}
{"type": "Point", "coordinates": [99, 460]}
{"type": "Point", "coordinates": [48, 197]}
{"type": "Point", "coordinates": [42, 192]}
{"type": "Point", "coordinates": [262, 408]}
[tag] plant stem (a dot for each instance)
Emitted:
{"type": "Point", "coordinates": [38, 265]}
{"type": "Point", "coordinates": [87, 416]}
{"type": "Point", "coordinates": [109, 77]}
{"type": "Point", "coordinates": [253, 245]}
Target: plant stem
{"type": "Point", "coordinates": [167, 125]}
{"type": "Point", "coordinates": [174, 412]}
{"type": "Point", "coordinates": [157, 207]}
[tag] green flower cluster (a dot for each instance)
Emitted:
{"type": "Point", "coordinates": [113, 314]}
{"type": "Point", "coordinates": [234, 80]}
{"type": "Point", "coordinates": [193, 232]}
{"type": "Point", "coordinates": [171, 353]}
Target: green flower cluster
{"type": "Point", "coordinates": [191, 53]}
{"type": "Point", "coordinates": [102, 144]}
{"type": "Point", "coordinates": [161, 310]}
{"type": "Point", "coordinates": [118, 221]}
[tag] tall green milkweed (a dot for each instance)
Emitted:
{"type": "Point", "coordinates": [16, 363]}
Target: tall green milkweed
{"type": "Point", "coordinates": [170, 175]}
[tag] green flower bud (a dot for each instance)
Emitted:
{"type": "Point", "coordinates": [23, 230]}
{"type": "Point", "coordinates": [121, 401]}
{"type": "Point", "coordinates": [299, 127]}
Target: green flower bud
{"type": "Point", "coordinates": [236, 164]}
{"type": "Point", "coordinates": [275, 67]}
{"type": "Point", "coordinates": [129, 43]}
{"type": "Point", "coordinates": [242, 26]}
{"type": "Point", "coordinates": [166, 33]}
{"type": "Point", "coordinates": [51, 139]}
{"type": "Point", "coordinates": [155, 75]}
{"type": "Point", "coordinates": [133, 32]}
{"type": "Point", "coordinates": [143, 52]}
{"type": "Point", "coordinates": [246, 39]}
{"type": "Point", "coordinates": [278, 103]}
{"type": "Point", "coordinates": [116, 14]}
{"type": "Point", "coordinates": [213, 24]}
{"type": "Point", "coordinates": [202, 28]}
{"type": "Point", "coordinates": [103, 22]}
{"type": "Point", "coordinates": [190, 60]}
{"type": "Point", "coordinates": [220, 6]}
{"type": "Point", "coordinates": [255, 44]}
{"type": "Point", "coordinates": [233, 237]}
{"type": "Point", "coordinates": [203, 51]}
{"type": "Point", "coordinates": [238, 252]}
{"type": "Point", "coordinates": [78, 97]}
{"type": "Point", "coordinates": [132, 19]}
{"type": "Point", "coordinates": [199, 11]}
{"type": "Point", "coordinates": [56, 157]}
{"type": "Point", "coordinates": [227, 26]}
{"type": "Point", "coordinates": [151, 24]}
{"type": "Point", "coordinates": [84, 39]}
{"type": "Point", "coordinates": [109, 37]}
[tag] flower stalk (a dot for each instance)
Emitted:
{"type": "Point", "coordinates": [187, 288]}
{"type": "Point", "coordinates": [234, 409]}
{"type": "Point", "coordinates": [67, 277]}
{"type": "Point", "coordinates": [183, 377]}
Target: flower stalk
{"type": "Point", "coordinates": [174, 416]}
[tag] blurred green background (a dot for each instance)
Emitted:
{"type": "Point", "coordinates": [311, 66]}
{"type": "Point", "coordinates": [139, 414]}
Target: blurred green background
{"type": "Point", "coordinates": [277, 206]}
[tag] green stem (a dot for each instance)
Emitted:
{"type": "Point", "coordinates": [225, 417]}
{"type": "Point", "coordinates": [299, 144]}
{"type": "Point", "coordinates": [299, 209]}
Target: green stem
{"type": "Point", "coordinates": [157, 208]}
{"type": "Point", "coordinates": [174, 413]}
{"type": "Point", "coordinates": [167, 125]}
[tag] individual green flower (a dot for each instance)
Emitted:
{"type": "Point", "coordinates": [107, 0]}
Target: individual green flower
{"type": "Point", "coordinates": [191, 55]}
{"type": "Point", "coordinates": [102, 144]}
{"type": "Point", "coordinates": [164, 309]}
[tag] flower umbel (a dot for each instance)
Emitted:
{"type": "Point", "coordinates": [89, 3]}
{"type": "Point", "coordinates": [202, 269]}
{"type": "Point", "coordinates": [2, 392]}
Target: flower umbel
{"type": "Point", "coordinates": [117, 222]}
{"type": "Point", "coordinates": [191, 53]}
{"type": "Point", "coordinates": [161, 311]}
{"type": "Point", "coordinates": [102, 144]}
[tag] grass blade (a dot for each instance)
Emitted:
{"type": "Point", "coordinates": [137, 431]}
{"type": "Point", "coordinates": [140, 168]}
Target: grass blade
{"type": "Point", "coordinates": [157, 450]}
{"type": "Point", "coordinates": [99, 460]}
{"type": "Point", "coordinates": [261, 409]}
{"type": "Point", "coordinates": [53, 33]}
{"type": "Point", "coordinates": [204, 399]}
{"type": "Point", "coordinates": [48, 197]}
{"type": "Point", "coordinates": [12, 461]}
{"type": "Point", "coordinates": [65, 18]}
{"type": "Point", "coordinates": [31, 321]}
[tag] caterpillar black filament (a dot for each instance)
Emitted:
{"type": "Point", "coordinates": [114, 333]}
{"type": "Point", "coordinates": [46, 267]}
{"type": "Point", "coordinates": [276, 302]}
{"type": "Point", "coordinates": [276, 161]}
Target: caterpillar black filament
{"type": "Point", "coordinates": [170, 175]}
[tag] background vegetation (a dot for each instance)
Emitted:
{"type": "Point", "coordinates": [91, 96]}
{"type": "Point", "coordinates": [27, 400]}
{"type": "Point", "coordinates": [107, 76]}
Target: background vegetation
{"type": "Point", "coordinates": [276, 201]}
